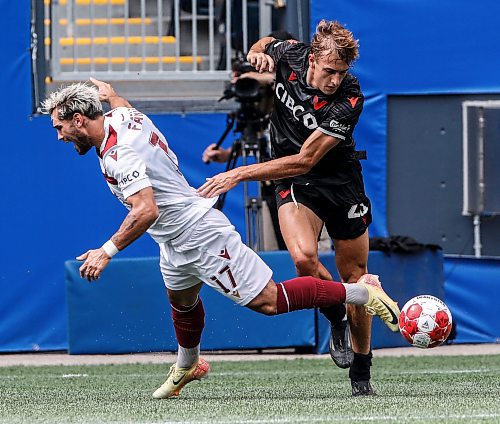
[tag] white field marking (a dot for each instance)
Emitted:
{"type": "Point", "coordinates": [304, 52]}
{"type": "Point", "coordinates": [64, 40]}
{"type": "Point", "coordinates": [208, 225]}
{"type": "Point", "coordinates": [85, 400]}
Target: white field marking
{"type": "Point", "coordinates": [469, 371]}
{"type": "Point", "coordinates": [258, 373]}
{"type": "Point", "coordinates": [74, 375]}
{"type": "Point", "coordinates": [261, 373]}
{"type": "Point", "coordinates": [424, 418]}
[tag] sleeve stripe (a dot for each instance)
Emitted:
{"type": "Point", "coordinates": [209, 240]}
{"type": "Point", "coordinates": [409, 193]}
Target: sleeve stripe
{"type": "Point", "coordinates": [336, 135]}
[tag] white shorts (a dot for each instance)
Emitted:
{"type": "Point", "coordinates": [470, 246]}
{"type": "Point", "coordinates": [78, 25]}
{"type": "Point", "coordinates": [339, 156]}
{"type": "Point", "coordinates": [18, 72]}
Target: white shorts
{"type": "Point", "coordinates": [213, 252]}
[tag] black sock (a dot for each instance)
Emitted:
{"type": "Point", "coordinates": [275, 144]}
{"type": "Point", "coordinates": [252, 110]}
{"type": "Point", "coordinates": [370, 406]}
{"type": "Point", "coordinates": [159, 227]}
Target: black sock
{"type": "Point", "coordinates": [334, 314]}
{"type": "Point", "coordinates": [360, 368]}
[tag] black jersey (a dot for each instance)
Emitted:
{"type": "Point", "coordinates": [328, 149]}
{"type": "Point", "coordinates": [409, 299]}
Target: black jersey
{"type": "Point", "coordinates": [300, 109]}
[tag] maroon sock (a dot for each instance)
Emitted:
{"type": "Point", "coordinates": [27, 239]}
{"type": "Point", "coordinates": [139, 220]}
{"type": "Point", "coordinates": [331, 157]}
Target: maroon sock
{"type": "Point", "coordinates": [308, 292]}
{"type": "Point", "coordinates": [188, 323]}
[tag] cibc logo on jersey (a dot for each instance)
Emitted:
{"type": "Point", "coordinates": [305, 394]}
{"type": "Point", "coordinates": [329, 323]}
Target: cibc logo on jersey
{"type": "Point", "coordinates": [308, 119]}
{"type": "Point", "coordinates": [129, 178]}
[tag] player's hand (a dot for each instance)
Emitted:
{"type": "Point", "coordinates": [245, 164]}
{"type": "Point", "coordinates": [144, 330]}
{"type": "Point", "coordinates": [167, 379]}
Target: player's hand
{"type": "Point", "coordinates": [213, 154]}
{"type": "Point", "coordinates": [219, 184]}
{"type": "Point", "coordinates": [105, 90]}
{"type": "Point", "coordinates": [261, 62]}
{"type": "Point", "coordinates": [95, 261]}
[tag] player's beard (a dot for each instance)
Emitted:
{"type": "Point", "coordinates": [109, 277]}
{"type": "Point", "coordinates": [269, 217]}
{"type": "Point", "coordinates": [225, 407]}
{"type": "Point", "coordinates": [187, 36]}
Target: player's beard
{"type": "Point", "coordinates": [82, 145]}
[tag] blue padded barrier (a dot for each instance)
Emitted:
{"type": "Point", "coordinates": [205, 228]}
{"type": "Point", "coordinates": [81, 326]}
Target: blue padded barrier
{"type": "Point", "coordinates": [472, 286]}
{"type": "Point", "coordinates": [403, 276]}
{"type": "Point", "coordinates": [127, 309]}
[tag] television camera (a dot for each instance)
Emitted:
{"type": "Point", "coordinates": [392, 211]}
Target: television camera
{"type": "Point", "coordinates": [251, 121]}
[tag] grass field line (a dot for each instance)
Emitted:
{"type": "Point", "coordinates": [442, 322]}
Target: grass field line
{"type": "Point", "coordinates": [253, 373]}
{"type": "Point", "coordinates": [411, 390]}
{"type": "Point", "coordinates": [336, 418]}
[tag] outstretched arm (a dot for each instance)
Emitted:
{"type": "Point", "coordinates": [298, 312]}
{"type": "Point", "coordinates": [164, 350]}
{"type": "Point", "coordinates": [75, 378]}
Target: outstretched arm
{"type": "Point", "coordinates": [314, 148]}
{"type": "Point", "coordinates": [142, 215]}
{"type": "Point", "coordinates": [108, 94]}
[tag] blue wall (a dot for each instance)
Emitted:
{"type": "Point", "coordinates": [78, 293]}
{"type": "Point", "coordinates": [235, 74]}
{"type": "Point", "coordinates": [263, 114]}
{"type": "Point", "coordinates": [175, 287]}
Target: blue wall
{"type": "Point", "coordinates": [56, 204]}
{"type": "Point", "coordinates": [413, 47]}
{"type": "Point", "coordinates": [127, 310]}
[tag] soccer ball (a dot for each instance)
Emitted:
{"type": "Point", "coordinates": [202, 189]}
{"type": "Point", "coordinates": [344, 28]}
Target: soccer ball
{"type": "Point", "coordinates": [425, 321]}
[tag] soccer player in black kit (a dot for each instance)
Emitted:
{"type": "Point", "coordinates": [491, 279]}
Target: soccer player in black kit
{"type": "Point", "coordinates": [316, 107]}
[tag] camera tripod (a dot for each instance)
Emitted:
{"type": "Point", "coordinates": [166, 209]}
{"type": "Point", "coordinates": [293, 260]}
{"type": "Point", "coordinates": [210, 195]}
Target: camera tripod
{"type": "Point", "coordinates": [248, 145]}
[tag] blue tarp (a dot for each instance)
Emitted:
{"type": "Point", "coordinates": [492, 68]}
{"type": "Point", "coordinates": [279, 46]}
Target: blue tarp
{"type": "Point", "coordinates": [471, 291]}
{"type": "Point", "coordinates": [127, 309]}
{"type": "Point", "coordinates": [56, 204]}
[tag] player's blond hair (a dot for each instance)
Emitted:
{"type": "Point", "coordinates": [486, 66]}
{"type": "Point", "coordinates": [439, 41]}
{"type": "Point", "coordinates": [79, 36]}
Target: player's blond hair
{"type": "Point", "coordinates": [75, 98]}
{"type": "Point", "coordinates": [330, 36]}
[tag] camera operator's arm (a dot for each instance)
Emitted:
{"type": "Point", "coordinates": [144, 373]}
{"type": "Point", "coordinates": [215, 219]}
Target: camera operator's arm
{"type": "Point", "coordinates": [314, 148]}
{"type": "Point", "coordinates": [264, 78]}
{"type": "Point", "coordinates": [258, 58]}
{"type": "Point", "coordinates": [214, 154]}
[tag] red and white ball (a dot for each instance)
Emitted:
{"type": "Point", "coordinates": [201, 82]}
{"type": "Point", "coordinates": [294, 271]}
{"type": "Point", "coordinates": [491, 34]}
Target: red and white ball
{"type": "Point", "coordinates": [425, 321]}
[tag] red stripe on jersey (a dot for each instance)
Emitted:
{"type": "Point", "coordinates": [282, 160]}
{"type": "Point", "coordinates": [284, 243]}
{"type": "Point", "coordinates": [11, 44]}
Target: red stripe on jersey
{"type": "Point", "coordinates": [292, 77]}
{"type": "Point", "coordinates": [110, 142]}
{"type": "Point", "coordinates": [110, 180]}
{"type": "Point", "coordinates": [153, 138]}
{"type": "Point", "coordinates": [318, 104]}
{"type": "Point", "coordinates": [353, 101]}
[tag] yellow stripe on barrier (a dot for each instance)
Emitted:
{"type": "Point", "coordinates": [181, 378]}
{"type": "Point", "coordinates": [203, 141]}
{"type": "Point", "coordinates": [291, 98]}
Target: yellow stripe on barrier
{"type": "Point", "coordinates": [86, 41]}
{"type": "Point", "coordinates": [96, 2]}
{"type": "Point", "coordinates": [105, 21]}
{"type": "Point", "coordinates": [131, 60]}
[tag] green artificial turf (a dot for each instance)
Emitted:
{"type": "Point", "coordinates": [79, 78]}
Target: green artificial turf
{"type": "Point", "coordinates": [410, 390]}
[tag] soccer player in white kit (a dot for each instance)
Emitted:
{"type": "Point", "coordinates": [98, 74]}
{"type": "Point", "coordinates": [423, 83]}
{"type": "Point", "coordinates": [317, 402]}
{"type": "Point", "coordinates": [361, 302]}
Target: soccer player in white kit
{"type": "Point", "coordinates": [197, 243]}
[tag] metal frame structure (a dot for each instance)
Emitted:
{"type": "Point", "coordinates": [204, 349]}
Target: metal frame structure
{"type": "Point", "coordinates": [475, 209]}
{"type": "Point", "coordinates": [57, 11]}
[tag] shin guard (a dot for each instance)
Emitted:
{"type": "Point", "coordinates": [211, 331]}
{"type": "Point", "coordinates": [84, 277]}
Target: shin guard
{"type": "Point", "coordinates": [308, 292]}
{"type": "Point", "coordinates": [189, 322]}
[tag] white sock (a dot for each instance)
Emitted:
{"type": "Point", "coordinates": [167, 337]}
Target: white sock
{"type": "Point", "coordinates": [355, 294]}
{"type": "Point", "coordinates": [187, 357]}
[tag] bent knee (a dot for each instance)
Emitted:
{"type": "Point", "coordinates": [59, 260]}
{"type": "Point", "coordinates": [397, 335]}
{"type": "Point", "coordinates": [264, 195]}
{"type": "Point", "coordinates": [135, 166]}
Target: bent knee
{"type": "Point", "coordinates": [266, 301]}
{"type": "Point", "coordinates": [306, 263]}
{"type": "Point", "coordinates": [267, 309]}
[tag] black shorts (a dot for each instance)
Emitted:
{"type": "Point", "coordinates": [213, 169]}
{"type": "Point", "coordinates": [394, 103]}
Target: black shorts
{"type": "Point", "coordinates": [345, 209]}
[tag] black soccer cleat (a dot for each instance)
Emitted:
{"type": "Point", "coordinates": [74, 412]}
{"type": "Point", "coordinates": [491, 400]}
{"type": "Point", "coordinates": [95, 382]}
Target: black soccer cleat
{"type": "Point", "coordinates": [340, 346]}
{"type": "Point", "coordinates": [362, 388]}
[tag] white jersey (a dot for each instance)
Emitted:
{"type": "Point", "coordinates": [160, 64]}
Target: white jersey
{"type": "Point", "coordinates": [135, 155]}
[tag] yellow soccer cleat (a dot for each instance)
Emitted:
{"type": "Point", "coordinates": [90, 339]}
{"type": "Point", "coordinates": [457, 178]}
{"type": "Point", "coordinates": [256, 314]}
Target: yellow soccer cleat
{"type": "Point", "coordinates": [178, 377]}
{"type": "Point", "coordinates": [379, 303]}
